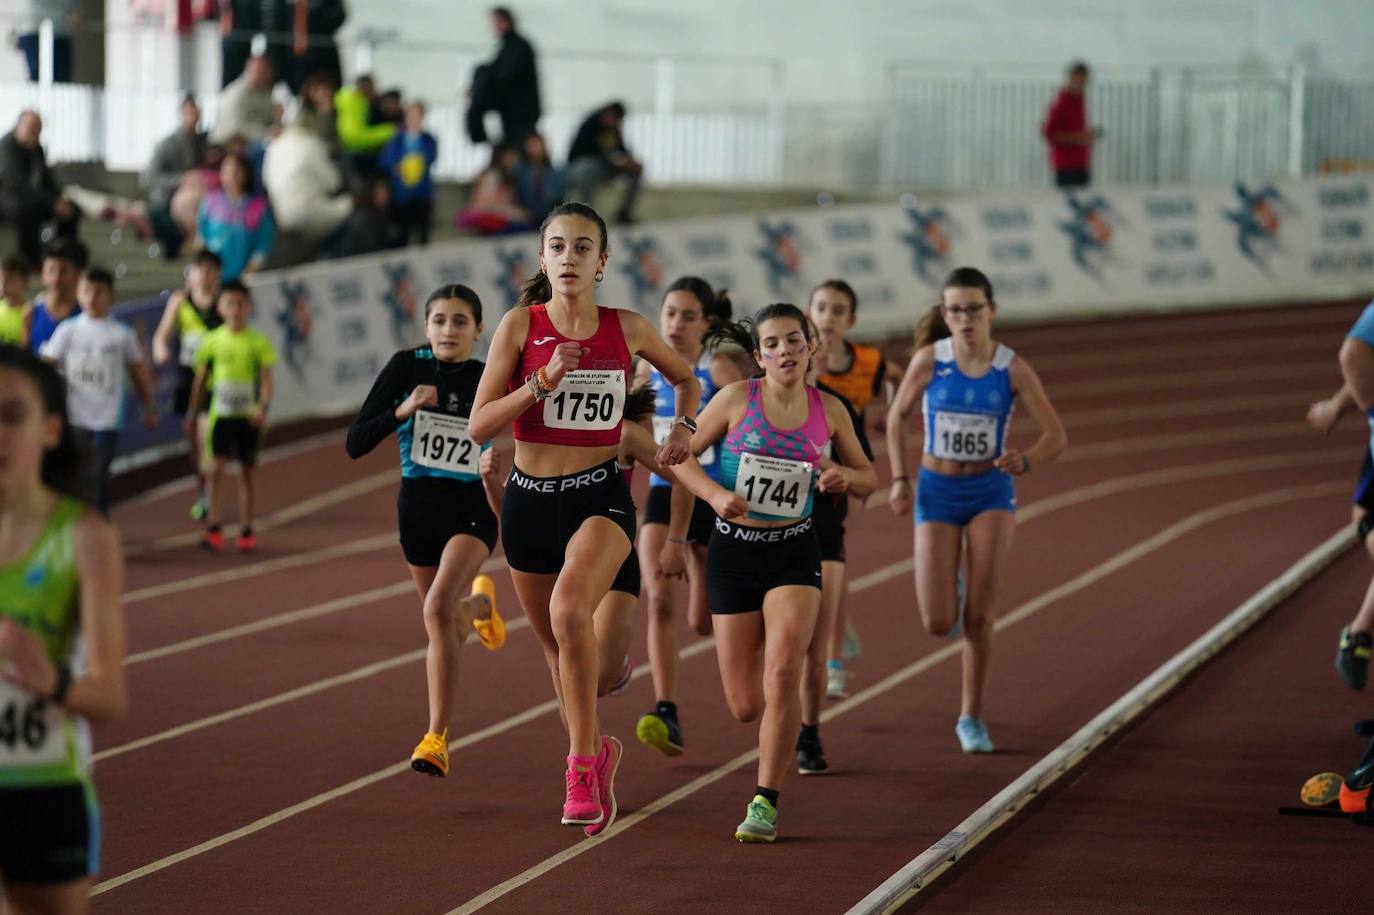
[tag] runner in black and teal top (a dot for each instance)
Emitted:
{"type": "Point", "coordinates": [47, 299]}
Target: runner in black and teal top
{"type": "Point", "coordinates": [445, 510]}
{"type": "Point", "coordinates": [61, 649]}
{"type": "Point", "coordinates": [234, 363]}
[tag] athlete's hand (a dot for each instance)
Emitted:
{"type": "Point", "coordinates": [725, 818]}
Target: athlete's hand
{"type": "Point", "coordinates": [162, 353]}
{"type": "Point", "coordinates": [729, 506]}
{"type": "Point", "coordinates": [1013, 462]}
{"type": "Point", "coordinates": [424, 395]}
{"type": "Point", "coordinates": [565, 359]}
{"type": "Point", "coordinates": [675, 447]}
{"type": "Point", "coordinates": [24, 661]}
{"type": "Point", "coordinates": [489, 465]}
{"type": "Point", "coordinates": [1323, 415]}
{"type": "Point", "coordinates": [672, 560]}
{"type": "Point", "coordinates": [833, 479]}
{"type": "Point", "coordinates": [899, 498]}
{"type": "Point", "coordinates": [259, 418]}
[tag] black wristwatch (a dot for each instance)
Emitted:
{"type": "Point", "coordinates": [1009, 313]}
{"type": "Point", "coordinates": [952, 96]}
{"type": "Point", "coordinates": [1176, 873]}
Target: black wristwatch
{"type": "Point", "coordinates": [63, 685]}
{"type": "Point", "coordinates": [687, 421]}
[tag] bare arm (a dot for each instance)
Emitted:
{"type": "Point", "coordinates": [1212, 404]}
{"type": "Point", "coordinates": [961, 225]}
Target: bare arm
{"type": "Point", "coordinates": [264, 395]}
{"type": "Point", "coordinates": [1053, 439]}
{"type": "Point", "coordinates": [643, 340]}
{"type": "Point", "coordinates": [494, 409]}
{"type": "Point", "coordinates": [723, 410]}
{"type": "Point", "coordinates": [914, 382]}
{"type": "Point", "coordinates": [1325, 414]}
{"type": "Point", "coordinates": [856, 476]}
{"type": "Point", "coordinates": [166, 327]}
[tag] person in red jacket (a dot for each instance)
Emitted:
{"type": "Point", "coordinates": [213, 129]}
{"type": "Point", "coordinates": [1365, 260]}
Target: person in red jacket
{"type": "Point", "coordinates": [1067, 133]}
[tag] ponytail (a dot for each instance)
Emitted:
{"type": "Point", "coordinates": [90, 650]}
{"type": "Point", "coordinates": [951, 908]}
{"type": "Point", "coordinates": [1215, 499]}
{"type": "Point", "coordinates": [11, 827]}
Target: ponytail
{"type": "Point", "coordinates": [745, 332]}
{"type": "Point", "coordinates": [536, 291]}
{"type": "Point", "coordinates": [640, 404]}
{"type": "Point", "coordinates": [931, 327]}
{"type": "Point", "coordinates": [721, 309]}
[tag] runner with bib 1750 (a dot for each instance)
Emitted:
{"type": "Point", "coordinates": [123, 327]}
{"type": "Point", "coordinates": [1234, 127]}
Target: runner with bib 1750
{"type": "Point", "coordinates": [61, 647]}
{"type": "Point", "coordinates": [446, 506]}
{"type": "Point", "coordinates": [964, 494]}
{"type": "Point", "coordinates": [557, 371]}
{"type": "Point", "coordinates": [764, 561]}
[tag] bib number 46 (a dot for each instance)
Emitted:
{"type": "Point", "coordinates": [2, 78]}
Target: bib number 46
{"type": "Point", "coordinates": [23, 726]}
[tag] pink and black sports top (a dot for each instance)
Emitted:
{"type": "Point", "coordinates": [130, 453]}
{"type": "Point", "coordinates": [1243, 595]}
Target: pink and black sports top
{"type": "Point", "coordinates": [775, 470]}
{"type": "Point", "coordinates": [587, 407]}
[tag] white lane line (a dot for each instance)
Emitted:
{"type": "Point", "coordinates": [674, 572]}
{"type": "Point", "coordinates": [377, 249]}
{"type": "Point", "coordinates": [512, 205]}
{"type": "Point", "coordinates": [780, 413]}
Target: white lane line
{"type": "Point", "coordinates": [857, 585]}
{"type": "Point", "coordinates": [921, 871]}
{"type": "Point", "coordinates": [1078, 583]}
{"type": "Point", "coordinates": [294, 512]}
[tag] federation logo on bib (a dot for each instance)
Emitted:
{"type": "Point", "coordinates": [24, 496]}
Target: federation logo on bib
{"type": "Point", "coordinates": [452, 402]}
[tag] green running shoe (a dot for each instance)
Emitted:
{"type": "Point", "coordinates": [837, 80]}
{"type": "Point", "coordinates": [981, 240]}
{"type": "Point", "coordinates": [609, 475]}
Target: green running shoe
{"type": "Point", "coordinates": [761, 825]}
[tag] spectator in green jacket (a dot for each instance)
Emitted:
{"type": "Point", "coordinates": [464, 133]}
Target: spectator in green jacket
{"type": "Point", "coordinates": [361, 140]}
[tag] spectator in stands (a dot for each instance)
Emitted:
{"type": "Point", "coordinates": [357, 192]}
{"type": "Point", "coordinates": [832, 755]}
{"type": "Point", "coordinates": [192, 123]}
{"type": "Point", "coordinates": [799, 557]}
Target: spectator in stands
{"type": "Point", "coordinates": [65, 17]}
{"type": "Point", "coordinates": [314, 47]}
{"type": "Point", "coordinates": [408, 158]}
{"type": "Point", "coordinates": [235, 221]}
{"type": "Point", "coordinates": [599, 157]}
{"type": "Point", "coordinates": [491, 208]}
{"type": "Point", "coordinates": [14, 299]}
{"type": "Point", "coordinates": [299, 37]}
{"type": "Point", "coordinates": [361, 138]}
{"type": "Point", "coordinates": [195, 186]}
{"type": "Point", "coordinates": [371, 227]}
{"type": "Point", "coordinates": [62, 265]}
{"type": "Point", "coordinates": [174, 158]}
{"type": "Point", "coordinates": [508, 84]}
{"type": "Point", "coordinates": [29, 193]}
{"type": "Point", "coordinates": [246, 108]}
{"type": "Point", "coordinates": [307, 190]}
{"type": "Point", "coordinates": [538, 185]}
{"type": "Point", "coordinates": [1066, 131]}
{"type": "Point", "coordinates": [317, 97]}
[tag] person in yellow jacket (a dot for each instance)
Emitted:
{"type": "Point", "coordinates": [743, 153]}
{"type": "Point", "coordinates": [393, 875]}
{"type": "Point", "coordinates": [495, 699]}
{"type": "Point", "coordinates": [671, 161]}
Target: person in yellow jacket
{"type": "Point", "coordinates": [360, 138]}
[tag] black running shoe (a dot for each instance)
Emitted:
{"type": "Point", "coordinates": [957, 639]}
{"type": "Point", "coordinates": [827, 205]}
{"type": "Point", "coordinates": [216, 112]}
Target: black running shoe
{"type": "Point", "coordinates": [810, 757]}
{"type": "Point", "coordinates": [1352, 657]}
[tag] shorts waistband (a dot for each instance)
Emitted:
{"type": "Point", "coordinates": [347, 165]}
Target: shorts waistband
{"type": "Point", "coordinates": [592, 476]}
{"type": "Point", "coordinates": [762, 534]}
{"type": "Point", "coordinates": [961, 477]}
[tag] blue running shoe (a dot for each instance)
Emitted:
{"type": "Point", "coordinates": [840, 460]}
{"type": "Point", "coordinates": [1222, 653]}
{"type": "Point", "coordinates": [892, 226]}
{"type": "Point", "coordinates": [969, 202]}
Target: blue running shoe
{"type": "Point", "coordinates": [973, 735]}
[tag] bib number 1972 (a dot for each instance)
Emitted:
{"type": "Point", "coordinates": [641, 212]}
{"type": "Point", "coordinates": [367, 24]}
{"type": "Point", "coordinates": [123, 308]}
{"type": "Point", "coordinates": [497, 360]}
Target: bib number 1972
{"type": "Point", "coordinates": [441, 442]}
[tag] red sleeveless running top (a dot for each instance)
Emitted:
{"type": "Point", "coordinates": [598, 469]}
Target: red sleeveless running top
{"type": "Point", "coordinates": [587, 408]}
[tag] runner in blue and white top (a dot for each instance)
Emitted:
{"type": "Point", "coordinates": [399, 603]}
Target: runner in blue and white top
{"type": "Point", "coordinates": [969, 384]}
{"type": "Point", "coordinates": [677, 525]}
{"type": "Point", "coordinates": [1356, 643]}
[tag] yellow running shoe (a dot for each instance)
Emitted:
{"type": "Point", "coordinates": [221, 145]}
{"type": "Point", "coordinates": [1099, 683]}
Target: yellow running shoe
{"type": "Point", "coordinates": [492, 631]}
{"type": "Point", "coordinates": [431, 756]}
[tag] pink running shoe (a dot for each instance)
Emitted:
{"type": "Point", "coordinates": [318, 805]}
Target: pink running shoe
{"type": "Point", "coordinates": [607, 762]}
{"type": "Point", "coordinates": [583, 806]}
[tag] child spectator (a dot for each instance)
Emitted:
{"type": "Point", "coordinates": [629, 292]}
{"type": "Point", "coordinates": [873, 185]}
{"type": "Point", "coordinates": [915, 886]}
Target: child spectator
{"type": "Point", "coordinates": [408, 158]}
{"type": "Point", "coordinates": [491, 208]}
{"type": "Point", "coordinates": [95, 353]}
{"type": "Point", "coordinates": [538, 185]}
{"type": "Point", "coordinates": [234, 365]}
{"type": "Point", "coordinates": [235, 222]}
{"type": "Point", "coordinates": [14, 299]}
{"type": "Point", "coordinates": [62, 266]}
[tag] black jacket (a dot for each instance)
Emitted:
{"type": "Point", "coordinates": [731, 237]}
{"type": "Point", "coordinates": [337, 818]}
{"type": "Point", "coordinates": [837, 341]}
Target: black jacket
{"type": "Point", "coordinates": [25, 179]}
{"type": "Point", "coordinates": [509, 84]}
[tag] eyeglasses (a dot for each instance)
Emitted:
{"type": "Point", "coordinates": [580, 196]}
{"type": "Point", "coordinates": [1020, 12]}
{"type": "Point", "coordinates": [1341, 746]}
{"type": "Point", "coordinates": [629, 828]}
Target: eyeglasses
{"type": "Point", "coordinates": [963, 311]}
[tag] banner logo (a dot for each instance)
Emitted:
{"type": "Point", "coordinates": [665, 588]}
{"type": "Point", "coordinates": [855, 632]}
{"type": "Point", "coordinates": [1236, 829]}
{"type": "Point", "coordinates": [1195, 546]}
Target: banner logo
{"type": "Point", "coordinates": [644, 269]}
{"type": "Point", "coordinates": [297, 320]}
{"type": "Point", "coordinates": [1257, 222]}
{"type": "Point", "coordinates": [780, 254]}
{"type": "Point", "coordinates": [400, 301]}
{"type": "Point", "coordinates": [512, 272]}
{"type": "Point", "coordinates": [1089, 230]}
{"type": "Point", "coordinates": [928, 239]}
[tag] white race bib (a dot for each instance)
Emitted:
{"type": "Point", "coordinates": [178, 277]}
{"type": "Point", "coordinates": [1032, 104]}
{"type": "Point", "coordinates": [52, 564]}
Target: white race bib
{"type": "Point", "coordinates": [663, 426]}
{"type": "Point", "coordinates": [773, 486]}
{"type": "Point", "coordinates": [586, 399]}
{"type": "Point", "coordinates": [964, 437]}
{"type": "Point", "coordinates": [441, 442]}
{"type": "Point", "coordinates": [94, 373]}
{"type": "Point", "coordinates": [233, 398]}
{"type": "Point", "coordinates": [32, 730]}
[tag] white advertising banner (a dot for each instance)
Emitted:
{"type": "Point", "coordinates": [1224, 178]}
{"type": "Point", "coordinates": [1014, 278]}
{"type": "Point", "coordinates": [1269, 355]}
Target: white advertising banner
{"type": "Point", "coordinates": [1049, 254]}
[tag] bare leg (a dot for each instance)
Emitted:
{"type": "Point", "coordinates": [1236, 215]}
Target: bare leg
{"type": "Point", "coordinates": [937, 563]}
{"type": "Point", "coordinates": [989, 544]}
{"type": "Point", "coordinates": [813, 675]}
{"type": "Point", "coordinates": [662, 600]}
{"type": "Point", "coordinates": [614, 625]}
{"type": "Point", "coordinates": [448, 614]}
{"type": "Point", "coordinates": [789, 621]}
{"type": "Point", "coordinates": [72, 898]}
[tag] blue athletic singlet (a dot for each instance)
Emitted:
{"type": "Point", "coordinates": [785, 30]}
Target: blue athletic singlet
{"type": "Point", "coordinates": [665, 412]}
{"type": "Point", "coordinates": [967, 418]}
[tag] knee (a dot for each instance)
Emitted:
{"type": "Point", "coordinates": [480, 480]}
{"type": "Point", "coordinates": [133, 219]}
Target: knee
{"type": "Point", "coordinates": [978, 629]}
{"type": "Point", "coordinates": [569, 621]}
{"type": "Point", "coordinates": [938, 625]}
{"type": "Point", "coordinates": [745, 708]}
{"type": "Point", "coordinates": [437, 611]}
{"type": "Point", "coordinates": [783, 676]}
{"type": "Point", "coordinates": [661, 609]}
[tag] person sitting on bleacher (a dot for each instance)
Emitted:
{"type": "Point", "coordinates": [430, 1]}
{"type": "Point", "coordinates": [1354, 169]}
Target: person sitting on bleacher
{"type": "Point", "coordinates": [307, 190]}
{"type": "Point", "coordinates": [245, 106]}
{"type": "Point", "coordinates": [599, 157]}
{"type": "Point", "coordinates": [361, 138]}
{"type": "Point", "coordinates": [236, 222]}
{"type": "Point", "coordinates": [175, 157]}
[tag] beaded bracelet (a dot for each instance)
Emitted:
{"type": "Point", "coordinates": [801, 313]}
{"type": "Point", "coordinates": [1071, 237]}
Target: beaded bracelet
{"type": "Point", "coordinates": [532, 382]}
{"type": "Point", "coordinates": [680, 540]}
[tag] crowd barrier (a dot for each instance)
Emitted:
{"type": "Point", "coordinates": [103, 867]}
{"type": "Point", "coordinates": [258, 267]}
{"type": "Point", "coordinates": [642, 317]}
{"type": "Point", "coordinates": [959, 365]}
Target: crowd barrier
{"type": "Point", "coordinates": [1050, 255]}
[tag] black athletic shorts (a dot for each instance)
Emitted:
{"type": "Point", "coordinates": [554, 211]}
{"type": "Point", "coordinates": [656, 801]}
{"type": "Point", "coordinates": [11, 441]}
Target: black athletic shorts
{"type": "Point", "coordinates": [744, 563]}
{"type": "Point", "coordinates": [627, 579]}
{"type": "Point", "coordinates": [1364, 486]}
{"type": "Point", "coordinates": [48, 835]}
{"type": "Point", "coordinates": [235, 438]}
{"type": "Point", "coordinates": [539, 515]}
{"type": "Point", "coordinates": [432, 510]}
{"type": "Point", "coordinates": [181, 397]}
{"type": "Point", "coordinates": [659, 511]}
{"type": "Point", "coordinates": [829, 510]}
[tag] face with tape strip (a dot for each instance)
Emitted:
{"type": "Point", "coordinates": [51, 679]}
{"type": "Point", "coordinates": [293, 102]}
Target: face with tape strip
{"type": "Point", "coordinates": [783, 350]}
{"type": "Point", "coordinates": [451, 329]}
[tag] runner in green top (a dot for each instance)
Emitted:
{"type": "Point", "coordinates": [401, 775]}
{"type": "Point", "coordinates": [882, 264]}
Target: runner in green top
{"type": "Point", "coordinates": [234, 363]}
{"type": "Point", "coordinates": [61, 647]}
{"type": "Point", "coordinates": [190, 314]}
{"type": "Point", "coordinates": [14, 299]}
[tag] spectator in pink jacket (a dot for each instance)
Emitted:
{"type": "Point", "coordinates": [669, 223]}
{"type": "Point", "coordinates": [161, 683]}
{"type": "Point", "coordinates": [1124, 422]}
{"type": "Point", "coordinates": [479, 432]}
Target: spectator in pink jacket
{"type": "Point", "coordinates": [1067, 133]}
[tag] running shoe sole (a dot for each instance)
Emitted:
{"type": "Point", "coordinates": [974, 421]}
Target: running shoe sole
{"type": "Point", "coordinates": [653, 733]}
{"type": "Point", "coordinates": [426, 767]}
{"type": "Point", "coordinates": [749, 837]}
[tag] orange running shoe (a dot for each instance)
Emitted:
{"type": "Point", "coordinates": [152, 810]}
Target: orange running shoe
{"type": "Point", "coordinates": [1354, 800]}
{"type": "Point", "coordinates": [492, 631]}
{"type": "Point", "coordinates": [213, 540]}
{"type": "Point", "coordinates": [431, 756]}
{"type": "Point", "coordinates": [247, 542]}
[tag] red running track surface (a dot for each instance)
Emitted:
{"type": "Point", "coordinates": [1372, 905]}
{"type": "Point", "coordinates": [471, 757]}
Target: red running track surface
{"type": "Point", "coordinates": [276, 696]}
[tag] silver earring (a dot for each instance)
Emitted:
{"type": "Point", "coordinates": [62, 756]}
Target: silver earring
{"type": "Point", "coordinates": [599, 277]}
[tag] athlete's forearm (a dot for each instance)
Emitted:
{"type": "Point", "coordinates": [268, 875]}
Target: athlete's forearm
{"type": "Point", "coordinates": [488, 419]}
